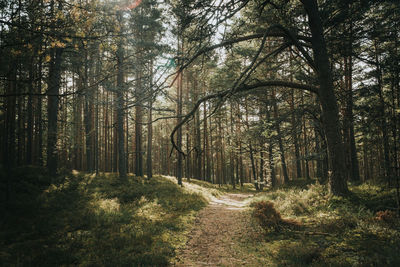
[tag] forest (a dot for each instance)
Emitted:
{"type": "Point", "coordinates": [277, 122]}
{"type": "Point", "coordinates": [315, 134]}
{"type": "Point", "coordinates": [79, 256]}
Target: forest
{"type": "Point", "coordinates": [199, 132]}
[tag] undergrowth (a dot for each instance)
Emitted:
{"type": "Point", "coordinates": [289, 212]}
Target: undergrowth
{"type": "Point", "coordinates": [360, 230]}
{"type": "Point", "coordinates": [90, 220]}
{"type": "Point", "coordinates": [271, 219]}
{"type": "Point", "coordinates": [217, 189]}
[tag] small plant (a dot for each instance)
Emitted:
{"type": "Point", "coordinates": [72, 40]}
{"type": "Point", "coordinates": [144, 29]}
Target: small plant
{"type": "Point", "coordinates": [269, 218]}
{"type": "Point", "coordinates": [386, 216]}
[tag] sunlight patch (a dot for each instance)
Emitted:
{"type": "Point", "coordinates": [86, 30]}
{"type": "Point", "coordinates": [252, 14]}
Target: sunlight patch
{"type": "Point", "coordinates": [208, 193]}
{"type": "Point", "coordinates": [151, 210]}
{"type": "Point", "coordinates": [109, 205]}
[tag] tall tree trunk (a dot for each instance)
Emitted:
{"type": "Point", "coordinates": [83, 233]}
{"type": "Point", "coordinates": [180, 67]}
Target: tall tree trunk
{"type": "Point", "coordinates": [295, 135]}
{"type": "Point", "coordinates": [9, 129]}
{"type": "Point", "coordinates": [38, 119]}
{"type": "Point", "coordinates": [382, 113]}
{"type": "Point", "coordinates": [179, 119]}
{"type": "Point", "coordinates": [337, 181]}
{"type": "Point", "coordinates": [20, 130]}
{"type": "Point", "coordinates": [197, 138]}
{"type": "Point", "coordinates": [240, 172]}
{"type": "Point", "coordinates": [120, 104]}
{"type": "Point", "coordinates": [212, 172]}
{"type": "Point", "coordinates": [319, 172]}
{"type": "Point", "coordinates": [149, 160]}
{"type": "Point", "coordinates": [30, 115]}
{"type": "Point", "coordinates": [253, 167]}
{"type": "Point", "coordinates": [261, 183]}
{"type": "Point", "coordinates": [88, 114]}
{"type": "Point", "coordinates": [354, 171]}
{"type": "Point", "coordinates": [271, 163]}
{"type": "Point", "coordinates": [231, 153]}
{"type": "Point", "coordinates": [138, 129]}
{"type": "Point", "coordinates": [279, 136]}
{"type": "Point", "coordinates": [307, 168]}
{"type": "Point", "coordinates": [52, 109]}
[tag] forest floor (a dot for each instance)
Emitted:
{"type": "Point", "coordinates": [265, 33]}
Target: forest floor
{"type": "Point", "coordinates": [325, 230]}
{"type": "Point", "coordinates": [87, 220]}
{"type": "Point", "coordinates": [218, 229]}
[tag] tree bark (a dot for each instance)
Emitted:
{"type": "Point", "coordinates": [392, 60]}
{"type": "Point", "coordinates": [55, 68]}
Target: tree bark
{"type": "Point", "coordinates": [382, 120]}
{"type": "Point", "coordinates": [337, 181]}
{"type": "Point", "coordinates": [179, 119]}
{"type": "Point", "coordinates": [52, 110]}
{"type": "Point", "coordinates": [295, 135]}
{"type": "Point", "coordinates": [120, 104]}
{"type": "Point", "coordinates": [280, 142]}
{"type": "Point", "coordinates": [149, 160]}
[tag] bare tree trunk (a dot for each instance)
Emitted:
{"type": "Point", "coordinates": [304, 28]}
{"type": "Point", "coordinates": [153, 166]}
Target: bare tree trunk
{"type": "Point", "coordinates": [149, 165]}
{"type": "Point", "coordinates": [88, 114]}
{"type": "Point", "coordinates": [231, 153]}
{"type": "Point", "coordinates": [337, 182]}
{"type": "Point", "coordinates": [138, 131]}
{"type": "Point", "coordinates": [280, 143]}
{"type": "Point", "coordinates": [179, 119]}
{"type": "Point", "coordinates": [354, 171]}
{"type": "Point", "coordinates": [295, 135]}
{"type": "Point", "coordinates": [120, 109]}
{"type": "Point", "coordinates": [52, 110]}
{"type": "Point", "coordinates": [307, 168]}
{"type": "Point", "coordinates": [38, 119]}
{"type": "Point", "coordinates": [382, 113]}
{"type": "Point", "coordinates": [30, 117]}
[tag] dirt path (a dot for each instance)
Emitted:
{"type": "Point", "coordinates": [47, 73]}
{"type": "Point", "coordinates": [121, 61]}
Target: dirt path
{"type": "Point", "coordinates": [217, 230]}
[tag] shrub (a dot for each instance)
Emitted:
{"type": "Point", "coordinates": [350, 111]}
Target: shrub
{"type": "Point", "coordinates": [269, 218]}
{"type": "Point", "coordinates": [386, 216]}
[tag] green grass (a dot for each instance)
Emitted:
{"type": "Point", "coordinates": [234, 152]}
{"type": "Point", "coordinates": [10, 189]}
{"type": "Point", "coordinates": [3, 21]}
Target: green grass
{"type": "Point", "coordinates": [334, 231]}
{"type": "Point", "coordinates": [223, 188]}
{"type": "Point", "coordinates": [94, 221]}
{"type": "Point", "coordinates": [88, 220]}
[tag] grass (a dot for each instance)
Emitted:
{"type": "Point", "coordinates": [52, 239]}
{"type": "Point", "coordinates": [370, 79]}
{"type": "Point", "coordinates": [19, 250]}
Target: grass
{"type": "Point", "coordinates": [334, 231]}
{"type": "Point", "coordinates": [89, 220]}
{"type": "Point", "coordinates": [217, 189]}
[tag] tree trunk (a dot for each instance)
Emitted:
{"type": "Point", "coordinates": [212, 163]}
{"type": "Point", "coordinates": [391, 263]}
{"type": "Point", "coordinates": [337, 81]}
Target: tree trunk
{"type": "Point", "coordinates": [52, 110]}
{"type": "Point", "coordinates": [30, 119]}
{"type": "Point", "coordinates": [179, 119]}
{"type": "Point", "coordinates": [149, 160]}
{"type": "Point", "coordinates": [295, 135]}
{"type": "Point", "coordinates": [138, 131]}
{"type": "Point", "coordinates": [280, 142]}
{"type": "Point", "coordinates": [120, 104]}
{"type": "Point", "coordinates": [337, 181]}
{"type": "Point", "coordinates": [382, 120]}
{"type": "Point", "coordinates": [38, 119]}
{"type": "Point", "coordinates": [307, 168]}
{"type": "Point", "coordinates": [88, 114]}
{"type": "Point", "coordinates": [231, 153]}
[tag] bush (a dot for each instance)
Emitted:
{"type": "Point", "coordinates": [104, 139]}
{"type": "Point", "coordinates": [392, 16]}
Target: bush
{"type": "Point", "coordinates": [269, 218]}
{"type": "Point", "coordinates": [386, 216]}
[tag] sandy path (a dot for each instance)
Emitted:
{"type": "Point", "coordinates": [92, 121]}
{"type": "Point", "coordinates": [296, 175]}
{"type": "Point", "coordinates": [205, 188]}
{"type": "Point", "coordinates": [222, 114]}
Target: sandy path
{"type": "Point", "coordinates": [217, 229]}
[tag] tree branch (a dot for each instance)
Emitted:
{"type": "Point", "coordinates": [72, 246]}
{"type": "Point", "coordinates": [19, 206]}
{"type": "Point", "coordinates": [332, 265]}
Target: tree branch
{"type": "Point", "coordinates": [272, 31]}
{"type": "Point", "coordinates": [241, 89]}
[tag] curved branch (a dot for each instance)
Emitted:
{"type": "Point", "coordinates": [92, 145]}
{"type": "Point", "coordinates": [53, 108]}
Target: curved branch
{"type": "Point", "coordinates": [275, 30]}
{"type": "Point", "coordinates": [240, 89]}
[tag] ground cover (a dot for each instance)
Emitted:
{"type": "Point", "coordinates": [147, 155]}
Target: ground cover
{"type": "Point", "coordinates": [90, 220]}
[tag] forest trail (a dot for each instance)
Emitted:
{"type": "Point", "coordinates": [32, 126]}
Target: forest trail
{"type": "Point", "coordinates": [217, 233]}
